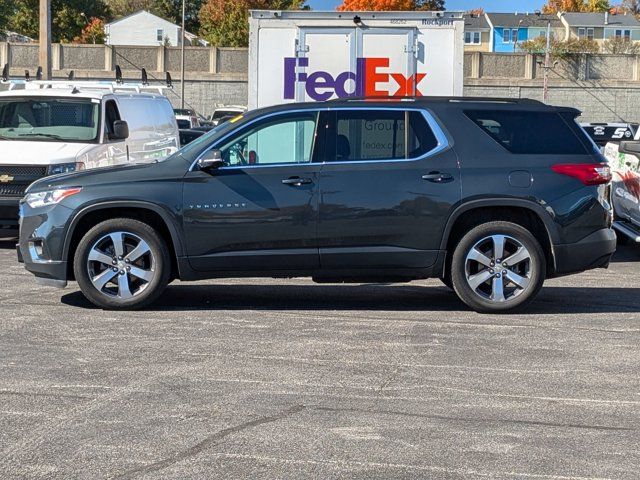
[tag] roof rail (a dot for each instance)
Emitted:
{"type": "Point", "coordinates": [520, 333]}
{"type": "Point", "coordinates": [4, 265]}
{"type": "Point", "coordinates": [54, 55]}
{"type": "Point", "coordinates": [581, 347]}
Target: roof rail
{"type": "Point", "coordinates": [451, 99]}
{"type": "Point", "coordinates": [95, 85]}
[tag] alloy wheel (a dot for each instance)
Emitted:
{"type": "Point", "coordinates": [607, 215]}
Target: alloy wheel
{"type": "Point", "coordinates": [121, 265]}
{"type": "Point", "coordinates": [498, 268]}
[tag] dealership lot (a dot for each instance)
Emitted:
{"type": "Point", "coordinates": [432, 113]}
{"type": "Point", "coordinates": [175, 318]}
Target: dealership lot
{"type": "Point", "coordinates": [273, 378]}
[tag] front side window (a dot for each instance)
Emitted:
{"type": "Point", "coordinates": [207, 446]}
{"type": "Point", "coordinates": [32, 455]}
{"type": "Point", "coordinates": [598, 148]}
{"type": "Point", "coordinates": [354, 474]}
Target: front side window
{"type": "Point", "coordinates": [279, 140]}
{"type": "Point", "coordinates": [529, 132]}
{"type": "Point", "coordinates": [49, 119]}
{"type": "Point", "coordinates": [370, 135]}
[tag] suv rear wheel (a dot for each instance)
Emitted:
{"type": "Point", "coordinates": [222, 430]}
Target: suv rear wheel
{"type": "Point", "coordinates": [122, 264]}
{"type": "Point", "coordinates": [497, 267]}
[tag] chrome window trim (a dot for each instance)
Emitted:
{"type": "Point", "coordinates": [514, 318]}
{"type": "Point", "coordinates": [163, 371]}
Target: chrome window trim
{"type": "Point", "coordinates": [441, 138]}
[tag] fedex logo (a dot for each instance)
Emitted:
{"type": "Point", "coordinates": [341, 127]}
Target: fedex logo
{"type": "Point", "coordinates": [364, 82]}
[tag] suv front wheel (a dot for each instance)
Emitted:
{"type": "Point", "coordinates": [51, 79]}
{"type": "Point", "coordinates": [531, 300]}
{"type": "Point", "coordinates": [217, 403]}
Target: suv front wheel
{"type": "Point", "coordinates": [122, 264]}
{"type": "Point", "coordinates": [497, 267]}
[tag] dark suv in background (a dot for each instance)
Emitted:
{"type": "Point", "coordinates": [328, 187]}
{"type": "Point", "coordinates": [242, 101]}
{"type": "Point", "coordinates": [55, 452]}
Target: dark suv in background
{"type": "Point", "coordinates": [491, 196]}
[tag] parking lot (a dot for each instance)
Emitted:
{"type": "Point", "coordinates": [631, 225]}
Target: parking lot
{"type": "Point", "coordinates": [281, 379]}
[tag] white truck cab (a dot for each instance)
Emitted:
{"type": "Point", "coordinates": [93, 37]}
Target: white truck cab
{"type": "Point", "coordinates": [48, 128]}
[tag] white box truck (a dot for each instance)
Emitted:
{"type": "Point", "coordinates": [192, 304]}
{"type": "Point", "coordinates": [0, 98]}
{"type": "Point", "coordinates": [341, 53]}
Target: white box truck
{"type": "Point", "coordinates": [297, 56]}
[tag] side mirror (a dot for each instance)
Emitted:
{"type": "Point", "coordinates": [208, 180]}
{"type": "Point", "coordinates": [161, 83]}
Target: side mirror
{"type": "Point", "coordinates": [629, 147]}
{"type": "Point", "coordinates": [120, 130]}
{"type": "Point", "coordinates": [211, 160]}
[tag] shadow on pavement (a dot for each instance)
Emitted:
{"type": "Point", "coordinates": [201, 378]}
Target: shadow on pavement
{"type": "Point", "coordinates": [183, 297]}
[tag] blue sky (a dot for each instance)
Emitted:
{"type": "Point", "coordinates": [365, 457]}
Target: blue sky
{"type": "Point", "coordinates": [488, 5]}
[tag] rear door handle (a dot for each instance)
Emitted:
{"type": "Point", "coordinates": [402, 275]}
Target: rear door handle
{"type": "Point", "coordinates": [296, 181]}
{"type": "Point", "coordinates": [438, 177]}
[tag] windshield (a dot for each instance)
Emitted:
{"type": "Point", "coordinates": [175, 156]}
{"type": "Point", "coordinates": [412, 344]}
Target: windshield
{"type": "Point", "coordinates": [224, 113]}
{"type": "Point", "coordinates": [49, 119]}
{"type": "Point", "coordinates": [193, 149]}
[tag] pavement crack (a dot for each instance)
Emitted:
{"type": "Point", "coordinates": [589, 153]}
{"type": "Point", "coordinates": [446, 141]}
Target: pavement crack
{"type": "Point", "coordinates": [208, 442]}
{"type": "Point", "coordinates": [389, 379]}
{"type": "Point", "coordinates": [476, 420]}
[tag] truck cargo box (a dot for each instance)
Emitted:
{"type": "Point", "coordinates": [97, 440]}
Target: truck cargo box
{"type": "Point", "coordinates": [316, 56]}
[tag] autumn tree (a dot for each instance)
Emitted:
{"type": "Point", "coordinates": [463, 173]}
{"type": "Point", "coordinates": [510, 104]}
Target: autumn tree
{"type": "Point", "coordinates": [391, 5]}
{"type": "Point", "coordinates": [555, 6]}
{"type": "Point", "coordinates": [93, 32]}
{"type": "Point", "coordinates": [68, 17]}
{"type": "Point", "coordinates": [225, 22]}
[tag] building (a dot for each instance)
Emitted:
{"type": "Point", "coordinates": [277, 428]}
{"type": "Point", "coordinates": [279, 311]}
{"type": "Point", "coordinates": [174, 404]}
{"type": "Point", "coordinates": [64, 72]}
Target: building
{"type": "Point", "coordinates": [600, 26]}
{"type": "Point", "coordinates": [145, 28]}
{"type": "Point", "coordinates": [477, 33]}
{"type": "Point", "coordinates": [510, 29]}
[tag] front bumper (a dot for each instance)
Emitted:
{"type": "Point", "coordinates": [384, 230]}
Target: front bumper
{"type": "Point", "coordinates": [40, 246]}
{"type": "Point", "coordinates": [593, 251]}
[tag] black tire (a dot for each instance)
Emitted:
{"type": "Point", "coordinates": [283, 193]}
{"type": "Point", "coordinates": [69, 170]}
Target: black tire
{"type": "Point", "coordinates": [530, 272]}
{"type": "Point", "coordinates": [156, 263]}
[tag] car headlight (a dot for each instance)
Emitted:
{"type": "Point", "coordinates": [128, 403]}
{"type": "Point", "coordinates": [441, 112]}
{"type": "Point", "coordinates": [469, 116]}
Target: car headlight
{"type": "Point", "coordinates": [66, 168]}
{"type": "Point", "coordinates": [50, 197]}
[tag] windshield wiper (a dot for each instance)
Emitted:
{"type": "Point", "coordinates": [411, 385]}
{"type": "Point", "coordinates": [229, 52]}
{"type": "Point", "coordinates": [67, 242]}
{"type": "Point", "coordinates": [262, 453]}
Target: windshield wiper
{"type": "Point", "coordinates": [46, 135]}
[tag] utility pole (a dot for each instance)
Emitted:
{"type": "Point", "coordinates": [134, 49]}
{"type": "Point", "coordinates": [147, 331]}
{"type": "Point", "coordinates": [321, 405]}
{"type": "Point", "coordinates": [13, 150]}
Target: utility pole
{"type": "Point", "coordinates": [182, 59]}
{"type": "Point", "coordinates": [45, 39]}
{"type": "Point", "coordinates": [547, 58]}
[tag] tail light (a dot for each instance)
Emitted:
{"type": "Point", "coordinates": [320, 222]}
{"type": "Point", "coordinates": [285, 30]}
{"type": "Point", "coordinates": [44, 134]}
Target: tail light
{"type": "Point", "coordinates": [587, 173]}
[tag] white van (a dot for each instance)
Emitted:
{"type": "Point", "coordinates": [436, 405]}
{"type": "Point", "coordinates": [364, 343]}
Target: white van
{"type": "Point", "coordinates": [57, 127]}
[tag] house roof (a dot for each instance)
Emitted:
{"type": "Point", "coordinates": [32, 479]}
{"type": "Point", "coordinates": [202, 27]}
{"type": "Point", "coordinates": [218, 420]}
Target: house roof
{"type": "Point", "coordinates": [598, 20]}
{"type": "Point", "coordinates": [475, 22]}
{"type": "Point", "coordinates": [140, 12]}
{"type": "Point", "coordinates": [523, 20]}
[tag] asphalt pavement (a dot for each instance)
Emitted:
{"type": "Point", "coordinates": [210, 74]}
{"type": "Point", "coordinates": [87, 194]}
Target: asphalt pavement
{"type": "Point", "coordinates": [261, 378]}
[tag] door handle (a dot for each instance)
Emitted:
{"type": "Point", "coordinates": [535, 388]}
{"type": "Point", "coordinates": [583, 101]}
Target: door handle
{"type": "Point", "coordinates": [438, 177]}
{"type": "Point", "coordinates": [296, 181]}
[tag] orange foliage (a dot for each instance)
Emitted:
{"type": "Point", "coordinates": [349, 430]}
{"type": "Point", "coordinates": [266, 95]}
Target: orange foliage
{"type": "Point", "coordinates": [377, 5]}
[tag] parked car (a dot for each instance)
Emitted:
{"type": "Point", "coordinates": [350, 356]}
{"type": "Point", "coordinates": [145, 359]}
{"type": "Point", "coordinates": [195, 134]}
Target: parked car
{"type": "Point", "coordinates": [186, 118]}
{"type": "Point", "coordinates": [225, 113]}
{"type": "Point", "coordinates": [188, 136]}
{"type": "Point", "coordinates": [493, 197]}
{"type": "Point", "coordinates": [603, 133]}
{"type": "Point", "coordinates": [624, 159]}
{"type": "Point", "coordinates": [49, 128]}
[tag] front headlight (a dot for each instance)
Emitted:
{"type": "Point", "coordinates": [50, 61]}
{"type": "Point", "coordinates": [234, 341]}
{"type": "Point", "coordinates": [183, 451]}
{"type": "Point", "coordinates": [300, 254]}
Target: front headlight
{"type": "Point", "coordinates": [65, 168]}
{"type": "Point", "coordinates": [50, 197]}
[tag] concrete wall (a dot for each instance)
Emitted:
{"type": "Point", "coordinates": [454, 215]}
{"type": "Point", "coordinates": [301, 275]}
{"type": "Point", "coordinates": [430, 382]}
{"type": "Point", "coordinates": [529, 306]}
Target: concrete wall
{"type": "Point", "coordinates": [605, 87]}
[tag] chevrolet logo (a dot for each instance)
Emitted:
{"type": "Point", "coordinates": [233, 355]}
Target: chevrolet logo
{"type": "Point", "coordinates": [6, 178]}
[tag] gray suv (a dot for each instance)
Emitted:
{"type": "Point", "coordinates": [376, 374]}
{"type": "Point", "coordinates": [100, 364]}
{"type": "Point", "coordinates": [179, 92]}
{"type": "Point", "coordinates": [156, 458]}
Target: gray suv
{"type": "Point", "coordinates": [491, 196]}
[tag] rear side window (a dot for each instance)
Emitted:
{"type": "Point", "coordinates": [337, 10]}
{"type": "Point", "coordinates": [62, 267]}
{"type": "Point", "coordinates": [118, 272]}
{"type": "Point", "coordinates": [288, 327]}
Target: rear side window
{"type": "Point", "coordinates": [369, 135]}
{"type": "Point", "coordinates": [532, 133]}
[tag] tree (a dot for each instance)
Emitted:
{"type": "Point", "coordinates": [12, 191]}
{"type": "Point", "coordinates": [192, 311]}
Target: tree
{"type": "Point", "coordinates": [620, 45]}
{"type": "Point", "coordinates": [559, 49]}
{"type": "Point", "coordinates": [391, 5]}
{"type": "Point", "coordinates": [6, 9]}
{"type": "Point", "coordinates": [67, 21]}
{"type": "Point", "coordinates": [92, 33]}
{"type": "Point", "coordinates": [225, 22]}
{"type": "Point", "coordinates": [631, 6]}
{"type": "Point", "coordinates": [122, 8]}
{"type": "Point", "coordinates": [555, 6]}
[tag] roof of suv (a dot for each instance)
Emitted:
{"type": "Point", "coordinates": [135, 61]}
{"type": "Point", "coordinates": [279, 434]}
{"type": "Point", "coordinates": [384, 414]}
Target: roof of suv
{"type": "Point", "coordinates": [407, 102]}
{"type": "Point", "coordinates": [93, 90]}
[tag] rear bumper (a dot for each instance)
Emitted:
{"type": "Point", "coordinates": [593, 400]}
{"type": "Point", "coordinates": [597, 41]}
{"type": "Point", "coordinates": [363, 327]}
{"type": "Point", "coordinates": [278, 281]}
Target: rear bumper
{"type": "Point", "coordinates": [593, 251]}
